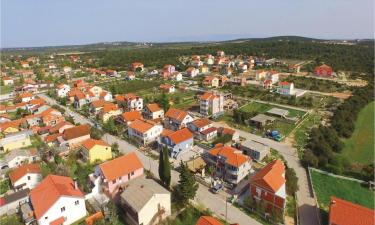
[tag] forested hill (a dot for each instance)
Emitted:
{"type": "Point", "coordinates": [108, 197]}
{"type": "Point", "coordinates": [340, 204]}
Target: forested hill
{"type": "Point", "coordinates": [359, 57]}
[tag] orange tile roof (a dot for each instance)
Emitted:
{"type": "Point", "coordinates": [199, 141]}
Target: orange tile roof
{"type": "Point", "coordinates": [26, 95]}
{"type": "Point", "coordinates": [233, 157]}
{"type": "Point", "coordinates": [209, 130]}
{"type": "Point", "coordinates": [37, 101]}
{"type": "Point", "coordinates": [131, 116]}
{"type": "Point", "coordinates": [142, 126]}
{"type": "Point", "coordinates": [208, 96]}
{"type": "Point", "coordinates": [180, 136]}
{"type": "Point", "coordinates": [52, 137]}
{"type": "Point", "coordinates": [271, 176]}
{"type": "Point", "coordinates": [120, 166]}
{"type": "Point", "coordinates": [59, 125]}
{"type": "Point", "coordinates": [49, 191]}
{"type": "Point", "coordinates": [90, 143]}
{"type": "Point", "coordinates": [208, 220]}
{"type": "Point", "coordinates": [342, 212]}
{"type": "Point", "coordinates": [21, 171]}
{"type": "Point", "coordinates": [202, 122]}
{"type": "Point", "coordinates": [109, 106]}
{"type": "Point", "coordinates": [98, 103]}
{"type": "Point", "coordinates": [225, 131]}
{"type": "Point", "coordinates": [77, 131]}
{"type": "Point", "coordinates": [176, 114]}
{"type": "Point", "coordinates": [154, 107]}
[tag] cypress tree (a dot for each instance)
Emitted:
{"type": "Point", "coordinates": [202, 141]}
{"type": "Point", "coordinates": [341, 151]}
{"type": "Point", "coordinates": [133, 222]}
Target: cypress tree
{"type": "Point", "coordinates": [161, 165]}
{"type": "Point", "coordinates": [167, 168]}
{"type": "Point", "coordinates": [187, 186]}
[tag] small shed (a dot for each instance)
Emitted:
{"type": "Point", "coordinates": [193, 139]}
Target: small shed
{"type": "Point", "coordinates": [256, 150]}
{"type": "Point", "coordinates": [278, 112]}
{"type": "Point", "coordinates": [262, 120]}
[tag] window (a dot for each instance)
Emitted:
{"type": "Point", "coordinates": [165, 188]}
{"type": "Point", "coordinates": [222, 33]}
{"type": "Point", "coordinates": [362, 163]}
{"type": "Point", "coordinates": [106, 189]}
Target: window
{"type": "Point", "coordinates": [114, 181]}
{"type": "Point", "coordinates": [28, 178]}
{"type": "Point", "coordinates": [63, 209]}
{"type": "Point", "coordinates": [46, 217]}
{"type": "Point", "coordinates": [132, 173]}
{"type": "Point", "coordinates": [76, 202]}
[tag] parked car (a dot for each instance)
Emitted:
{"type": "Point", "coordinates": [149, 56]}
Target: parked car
{"type": "Point", "coordinates": [218, 187]}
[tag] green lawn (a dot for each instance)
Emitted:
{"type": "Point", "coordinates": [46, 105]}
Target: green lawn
{"type": "Point", "coordinates": [359, 148]}
{"type": "Point", "coordinates": [263, 108]}
{"type": "Point", "coordinates": [6, 89]}
{"type": "Point", "coordinates": [326, 186]}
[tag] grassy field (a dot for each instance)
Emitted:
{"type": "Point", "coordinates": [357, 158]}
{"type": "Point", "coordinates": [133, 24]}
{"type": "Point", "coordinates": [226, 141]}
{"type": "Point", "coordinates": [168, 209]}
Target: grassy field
{"type": "Point", "coordinates": [6, 89]}
{"type": "Point", "coordinates": [263, 108]}
{"type": "Point", "coordinates": [326, 186]}
{"type": "Point", "coordinates": [359, 148]}
{"type": "Point", "coordinates": [300, 134]}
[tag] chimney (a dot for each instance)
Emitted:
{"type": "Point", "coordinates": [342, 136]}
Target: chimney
{"type": "Point", "coordinates": [75, 183]}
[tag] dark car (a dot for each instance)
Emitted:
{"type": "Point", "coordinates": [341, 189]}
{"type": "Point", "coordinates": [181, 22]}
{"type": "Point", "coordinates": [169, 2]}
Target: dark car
{"type": "Point", "coordinates": [215, 189]}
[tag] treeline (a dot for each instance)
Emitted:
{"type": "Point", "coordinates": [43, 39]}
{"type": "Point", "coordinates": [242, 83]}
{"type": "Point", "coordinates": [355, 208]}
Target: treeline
{"type": "Point", "coordinates": [358, 58]}
{"type": "Point", "coordinates": [310, 83]}
{"type": "Point", "coordinates": [324, 144]}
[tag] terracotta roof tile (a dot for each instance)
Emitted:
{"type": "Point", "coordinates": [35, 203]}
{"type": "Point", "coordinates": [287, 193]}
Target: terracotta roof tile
{"type": "Point", "coordinates": [208, 220]}
{"type": "Point", "coordinates": [202, 122]}
{"type": "Point", "coordinates": [90, 143]}
{"type": "Point", "coordinates": [180, 136]}
{"type": "Point", "coordinates": [77, 131]}
{"type": "Point", "coordinates": [120, 166]}
{"type": "Point", "coordinates": [142, 125]}
{"type": "Point", "coordinates": [154, 107]}
{"type": "Point", "coordinates": [21, 171]}
{"type": "Point", "coordinates": [176, 114]}
{"type": "Point", "coordinates": [131, 116]}
{"type": "Point", "coordinates": [271, 176]}
{"type": "Point", "coordinates": [233, 157]}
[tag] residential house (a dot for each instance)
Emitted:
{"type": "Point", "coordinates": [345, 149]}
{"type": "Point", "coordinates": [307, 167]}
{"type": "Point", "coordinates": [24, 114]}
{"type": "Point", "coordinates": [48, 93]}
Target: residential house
{"type": "Point", "coordinates": [106, 96]}
{"type": "Point", "coordinates": [67, 69]}
{"type": "Point", "coordinates": [323, 70]}
{"type": "Point", "coordinates": [18, 157]}
{"type": "Point", "coordinates": [116, 172]}
{"type": "Point", "coordinates": [60, 127]}
{"type": "Point", "coordinates": [10, 204]}
{"type": "Point", "coordinates": [176, 76]}
{"type": "Point", "coordinates": [169, 68]}
{"type": "Point", "coordinates": [26, 176]}
{"type": "Point", "coordinates": [130, 75]}
{"type": "Point", "coordinates": [242, 67]}
{"type": "Point", "coordinates": [286, 88]}
{"type": "Point", "coordinates": [137, 66]}
{"type": "Point", "coordinates": [80, 99]}
{"type": "Point", "coordinates": [130, 101]}
{"type": "Point", "coordinates": [16, 140]}
{"type": "Point", "coordinates": [256, 150]}
{"type": "Point", "coordinates": [8, 81]}
{"type": "Point", "coordinates": [222, 131]}
{"type": "Point", "coordinates": [239, 80]}
{"type": "Point", "coordinates": [167, 88]}
{"type": "Point", "coordinates": [210, 60]}
{"type": "Point", "coordinates": [211, 104]}
{"type": "Point", "coordinates": [268, 186]}
{"type": "Point", "coordinates": [11, 126]}
{"type": "Point", "coordinates": [96, 90]}
{"type": "Point", "coordinates": [220, 54]}
{"type": "Point", "coordinates": [25, 64]}
{"type": "Point", "coordinates": [342, 212]}
{"type": "Point", "coordinates": [26, 97]}
{"type": "Point", "coordinates": [144, 131]}
{"type": "Point", "coordinates": [93, 150]}
{"type": "Point", "coordinates": [204, 69]}
{"type": "Point", "coordinates": [73, 137]}
{"type": "Point", "coordinates": [203, 129]}
{"type": "Point", "coordinates": [128, 117]}
{"type": "Point", "coordinates": [229, 163]}
{"type": "Point", "coordinates": [153, 111]}
{"type": "Point", "coordinates": [144, 201]}
{"type": "Point", "coordinates": [208, 220]}
{"type": "Point", "coordinates": [109, 110]}
{"type": "Point", "coordinates": [176, 119]}
{"type": "Point", "coordinates": [96, 106]}
{"type": "Point", "coordinates": [261, 75]}
{"type": "Point", "coordinates": [62, 90]}
{"type": "Point", "coordinates": [211, 81]}
{"type": "Point", "coordinates": [192, 72]}
{"type": "Point", "coordinates": [57, 200]}
{"type": "Point", "coordinates": [178, 142]}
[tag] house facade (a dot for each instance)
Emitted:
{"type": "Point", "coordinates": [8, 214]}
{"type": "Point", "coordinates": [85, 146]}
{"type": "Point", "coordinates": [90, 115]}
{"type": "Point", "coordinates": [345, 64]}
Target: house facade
{"type": "Point", "coordinates": [285, 88]}
{"type": "Point", "coordinates": [96, 150]}
{"type": "Point", "coordinates": [153, 111]}
{"type": "Point", "coordinates": [144, 131]}
{"type": "Point", "coordinates": [176, 119]}
{"type": "Point", "coordinates": [26, 176]}
{"type": "Point", "coordinates": [177, 142]}
{"type": "Point", "coordinates": [211, 104]}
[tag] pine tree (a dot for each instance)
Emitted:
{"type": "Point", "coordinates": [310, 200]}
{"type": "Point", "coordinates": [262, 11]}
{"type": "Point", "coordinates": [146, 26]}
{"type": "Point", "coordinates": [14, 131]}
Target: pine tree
{"type": "Point", "coordinates": [167, 168]}
{"type": "Point", "coordinates": [187, 186]}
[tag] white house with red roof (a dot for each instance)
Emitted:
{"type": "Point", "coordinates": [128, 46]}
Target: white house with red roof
{"type": "Point", "coordinates": [177, 142]}
{"type": "Point", "coordinates": [268, 185]}
{"type": "Point", "coordinates": [176, 119]}
{"type": "Point", "coordinates": [229, 163]}
{"type": "Point", "coordinates": [211, 104]}
{"type": "Point", "coordinates": [167, 88]}
{"type": "Point", "coordinates": [26, 176]}
{"type": "Point", "coordinates": [203, 129]}
{"type": "Point", "coordinates": [130, 101]}
{"type": "Point", "coordinates": [62, 90]}
{"type": "Point", "coordinates": [26, 97]}
{"type": "Point", "coordinates": [192, 72]}
{"type": "Point", "coordinates": [7, 81]}
{"type": "Point", "coordinates": [153, 111]}
{"type": "Point", "coordinates": [57, 200]}
{"type": "Point", "coordinates": [118, 171]}
{"type": "Point", "coordinates": [145, 131]}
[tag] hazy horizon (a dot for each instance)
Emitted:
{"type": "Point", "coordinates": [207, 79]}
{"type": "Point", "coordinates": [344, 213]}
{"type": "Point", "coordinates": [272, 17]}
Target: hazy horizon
{"type": "Point", "coordinates": [38, 23]}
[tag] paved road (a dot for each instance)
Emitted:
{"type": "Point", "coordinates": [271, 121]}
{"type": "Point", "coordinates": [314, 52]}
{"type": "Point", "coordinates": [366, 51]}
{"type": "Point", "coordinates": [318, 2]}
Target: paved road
{"type": "Point", "coordinates": [308, 212]}
{"type": "Point", "coordinates": [216, 203]}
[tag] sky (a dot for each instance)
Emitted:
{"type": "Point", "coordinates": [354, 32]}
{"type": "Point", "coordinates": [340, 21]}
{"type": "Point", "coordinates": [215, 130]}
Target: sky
{"type": "Point", "coordinates": [32, 23]}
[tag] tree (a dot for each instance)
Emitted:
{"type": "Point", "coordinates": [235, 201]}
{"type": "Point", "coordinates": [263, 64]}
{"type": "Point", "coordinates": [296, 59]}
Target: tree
{"type": "Point", "coordinates": [167, 168]}
{"type": "Point", "coordinates": [187, 186]}
{"type": "Point", "coordinates": [161, 166]}
{"type": "Point", "coordinates": [95, 133]}
{"type": "Point", "coordinates": [110, 127]}
{"type": "Point", "coordinates": [291, 181]}
{"type": "Point", "coordinates": [164, 102]}
{"type": "Point", "coordinates": [115, 148]}
{"type": "Point", "coordinates": [249, 202]}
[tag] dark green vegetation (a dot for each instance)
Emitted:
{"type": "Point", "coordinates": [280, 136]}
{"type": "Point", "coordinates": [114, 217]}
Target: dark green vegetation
{"type": "Point", "coordinates": [10, 220]}
{"type": "Point", "coordinates": [164, 167]}
{"type": "Point", "coordinates": [187, 186]}
{"type": "Point", "coordinates": [360, 146]}
{"type": "Point", "coordinates": [324, 147]}
{"type": "Point", "coordinates": [313, 84]}
{"type": "Point", "coordinates": [326, 186]}
{"type": "Point", "coordinates": [349, 58]}
{"type": "Point", "coordinates": [4, 186]}
{"type": "Point", "coordinates": [189, 216]}
{"type": "Point", "coordinates": [123, 87]}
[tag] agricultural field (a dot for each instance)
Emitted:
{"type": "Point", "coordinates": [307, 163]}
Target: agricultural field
{"type": "Point", "coordinates": [359, 148]}
{"type": "Point", "coordinates": [263, 108]}
{"type": "Point", "coordinates": [6, 89]}
{"type": "Point", "coordinates": [326, 186]}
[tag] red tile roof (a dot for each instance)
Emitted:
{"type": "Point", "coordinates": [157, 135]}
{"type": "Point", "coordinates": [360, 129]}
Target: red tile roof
{"type": "Point", "coordinates": [21, 171]}
{"type": "Point", "coordinates": [342, 212]}
{"type": "Point", "coordinates": [49, 191]}
{"type": "Point", "coordinates": [202, 122]}
{"type": "Point", "coordinates": [208, 220]}
{"type": "Point", "coordinates": [131, 116]}
{"type": "Point", "coordinates": [233, 157]}
{"type": "Point", "coordinates": [209, 130]}
{"type": "Point", "coordinates": [142, 126]}
{"type": "Point", "coordinates": [77, 131]}
{"type": "Point", "coordinates": [120, 166]}
{"type": "Point", "coordinates": [176, 114]}
{"type": "Point", "coordinates": [180, 135]}
{"type": "Point", "coordinates": [59, 125]}
{"type": "Point", "coordinates": [154, 107]}
{"type": "Point", "coordinates": [98, 103]}
{"type": "Point", "coordinates": [90, 143]}
{"type": "Point", "coordinates": [270, 177]}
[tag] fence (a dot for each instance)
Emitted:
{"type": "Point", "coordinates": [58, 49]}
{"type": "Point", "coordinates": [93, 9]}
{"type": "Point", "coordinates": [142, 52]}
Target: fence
{"type": "Point", "coordinates": [338, 176]}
